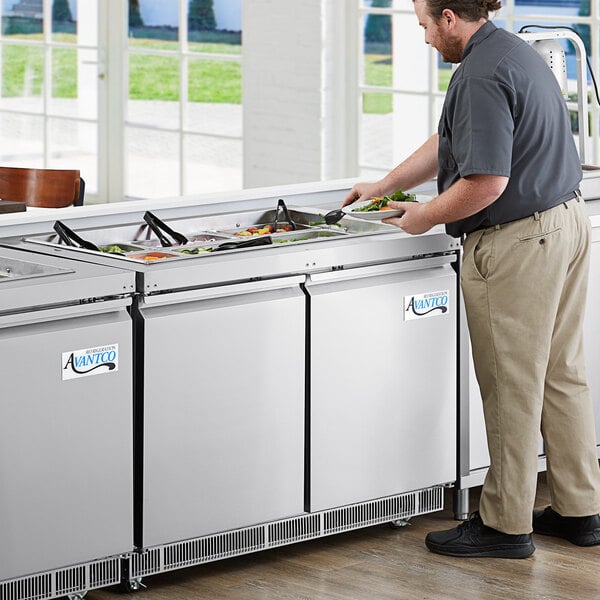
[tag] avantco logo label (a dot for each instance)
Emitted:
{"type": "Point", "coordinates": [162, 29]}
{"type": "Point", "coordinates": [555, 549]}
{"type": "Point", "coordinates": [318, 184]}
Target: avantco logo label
{"type": "Point", "coordinates": [431, 304]}
{"type": "Point", "coordinates": [90, 361]}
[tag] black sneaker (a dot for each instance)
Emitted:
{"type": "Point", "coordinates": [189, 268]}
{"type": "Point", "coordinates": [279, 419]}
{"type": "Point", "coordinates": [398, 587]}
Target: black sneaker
{"type": "Point", "coordinates": [473, 538]}
{"type": "Point", "coordinates": [582, 531]}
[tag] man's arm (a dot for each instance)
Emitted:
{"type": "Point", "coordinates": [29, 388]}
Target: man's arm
{"type": "Point", "coordinates": [419, 167]}
{"type": "Point", "coordinates": [464, 198]}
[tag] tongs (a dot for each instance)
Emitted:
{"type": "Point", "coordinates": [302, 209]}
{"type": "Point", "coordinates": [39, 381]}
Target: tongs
{"type": "Point", "coordinates": [282, 207]}
{"type": "Point", "coordinates": [70, 238]}
{"type": "Point", "coordinates": [263, 240]}
{"type": "Point", "coordinates": [159, 226]}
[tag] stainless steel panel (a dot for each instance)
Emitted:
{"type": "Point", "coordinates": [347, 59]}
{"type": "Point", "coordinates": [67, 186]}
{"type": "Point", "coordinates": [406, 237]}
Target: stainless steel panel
{"type": "Point", "coordinates": [383, 389]}
{"type": "Point", "coordinates": [285, 259]}
{"type": "Point", "coordinates": [223, 411]}
{"type": "Point", "coordinates": [65, 281]}
{"type": "Point", "coordinates": [12, 268]}
{"type": "Point", "coordinates": [65, 445]}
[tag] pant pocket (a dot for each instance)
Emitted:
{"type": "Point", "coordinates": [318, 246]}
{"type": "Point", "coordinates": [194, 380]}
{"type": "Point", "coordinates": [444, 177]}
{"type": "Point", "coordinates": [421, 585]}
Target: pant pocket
{"type": "Point", "coordinates": [479, 252]}
{"type": "Point", "coordinates": [538, 235]}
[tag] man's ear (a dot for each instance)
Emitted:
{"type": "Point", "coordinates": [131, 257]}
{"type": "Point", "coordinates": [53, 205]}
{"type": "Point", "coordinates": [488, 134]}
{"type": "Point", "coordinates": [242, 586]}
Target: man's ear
{"type": "Point", "coordinates": [449, 16]}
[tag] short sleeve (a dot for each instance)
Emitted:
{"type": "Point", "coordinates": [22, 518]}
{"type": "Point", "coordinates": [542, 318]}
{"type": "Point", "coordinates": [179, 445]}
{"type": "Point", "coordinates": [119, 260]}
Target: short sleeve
{"type": "Point", "coordinates": [482, 125]}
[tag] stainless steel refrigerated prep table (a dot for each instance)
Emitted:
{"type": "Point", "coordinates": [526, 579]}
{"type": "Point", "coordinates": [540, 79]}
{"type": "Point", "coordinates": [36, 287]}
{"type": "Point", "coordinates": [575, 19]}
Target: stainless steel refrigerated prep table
{"type": "Point", "coordinates": [260, 416]}
{"type": "Point", "coordinates": [65, 424]}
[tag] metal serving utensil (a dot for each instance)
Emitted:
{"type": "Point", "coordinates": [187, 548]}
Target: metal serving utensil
{"type": "Point", "coordinates": [333, 216]}
{"type": "Point", "coordinates": [68, 236]}
{"type": "Point", "coordinates": [159, 226]}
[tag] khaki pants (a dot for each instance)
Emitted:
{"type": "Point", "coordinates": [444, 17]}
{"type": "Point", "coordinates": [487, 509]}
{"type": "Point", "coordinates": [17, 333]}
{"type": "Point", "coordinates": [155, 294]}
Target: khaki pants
{"type": "Point", "coordinates": [524, 285]}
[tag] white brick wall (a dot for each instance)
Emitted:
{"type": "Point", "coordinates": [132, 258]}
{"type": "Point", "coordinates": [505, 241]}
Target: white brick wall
{"type": "Point", "coordinates": [282, 91]}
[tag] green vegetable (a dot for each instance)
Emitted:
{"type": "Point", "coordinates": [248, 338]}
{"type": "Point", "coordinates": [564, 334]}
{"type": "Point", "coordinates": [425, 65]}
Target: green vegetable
{"type": "Point", "coordinates": [197, 250]}
{"type": "Point", "coordinates": [379, 203]}
{"type": "Point", "coordinates": [114, 249]}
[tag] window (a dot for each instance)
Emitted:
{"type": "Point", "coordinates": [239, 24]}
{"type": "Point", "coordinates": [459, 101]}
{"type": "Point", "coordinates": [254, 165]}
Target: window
{"type": "Point", "coordinates": [146, 102]}
{"type": "Point", "coordinates": [49, 98]}
{"type": "Point", "coordinates": [183, 127]}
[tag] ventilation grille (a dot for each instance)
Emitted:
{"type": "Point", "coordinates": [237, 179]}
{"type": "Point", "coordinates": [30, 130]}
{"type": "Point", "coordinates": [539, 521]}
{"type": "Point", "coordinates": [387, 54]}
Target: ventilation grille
{"type": "Point", "coordinates": [287, 531]}
{"type": "Point", "coordinates": [63, 582]}
{"type": "Point", "coordinates": [294, 530]}
{"type": "Point", "coordinates": [103, 573]}
{"type": "Point", "coordinates": [431, 499]}
{"type": "Point", "coordinates": [70, 580]}
{"type": "Point", "coordinates": [214, 547]}
{"type": "Point", "coordinates": [380, 511]}
{"type": "Point", "coordinates": [28, 588]}
{"type": "Point", "coordinates": [145, 563]}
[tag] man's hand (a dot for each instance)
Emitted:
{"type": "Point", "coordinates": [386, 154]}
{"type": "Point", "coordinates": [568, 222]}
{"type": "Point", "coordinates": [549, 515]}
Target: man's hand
{"type": "Point", "coordinates": [363, 191]}
{"type": "Point", "coordinates": [414, 220]}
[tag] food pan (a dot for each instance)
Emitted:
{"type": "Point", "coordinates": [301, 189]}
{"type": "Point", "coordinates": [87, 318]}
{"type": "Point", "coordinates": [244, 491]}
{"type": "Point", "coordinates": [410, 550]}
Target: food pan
{"type": "Point", "coordinates": [148, 257]}
{"type": "Point", "coordinates": [305, 236]}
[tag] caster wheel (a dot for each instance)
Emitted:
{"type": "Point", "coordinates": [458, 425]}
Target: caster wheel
{"type": "Point", "coordinates": [399, 523]}
{"type": "Point", "coordinates": [131, 585]}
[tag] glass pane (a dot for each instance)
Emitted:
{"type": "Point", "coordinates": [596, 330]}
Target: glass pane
{"type": "Point", "coordinates": [376, 127]}
{"type": "Point", "coordinates": [64, 73]}
{"type": "Point", "coordinates": [22, 20]}
{"type": "Point", "coordinates": [64, 21]}
{"type": "Point", "coordinates": [152, 163]}
{"type": "Point", "coordinates": [377, 58]}
{"type": "Point", "coordinates": [444, 74]}
{"type": "Point", "coordinates": [21, 141]}
{"type": "Point", "coordinates": [221, 119]}
{"type": "Point", "coordinates": [214, 81]}
{"type": "Point", "coordinates": [74, 145]}
{"type": "Point", "coordinates": [376, 103]}
{"type": "Point", "coordinates": [215, 27]}
{"type": "Point", "coordinates": [556, 8]}
{"type": "Point", "coordinates": [154, 90]}
{"type": "Point", "coordinates": [74, 83]}
{"type": "Point", "coordinates": [22, 77]}
{"type": "Point", "coordinates": [378, 65]}
{"type": "Point", "coordinates": [212, 164]}
{"type": "Point", "coordinates": [378, 39]}
{"type": "Point", "coordinates": [154, 24]}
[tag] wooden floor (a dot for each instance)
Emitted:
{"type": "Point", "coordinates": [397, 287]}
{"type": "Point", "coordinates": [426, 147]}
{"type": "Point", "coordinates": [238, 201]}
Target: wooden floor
{"type": "Point", "coordinates": [383, 563]}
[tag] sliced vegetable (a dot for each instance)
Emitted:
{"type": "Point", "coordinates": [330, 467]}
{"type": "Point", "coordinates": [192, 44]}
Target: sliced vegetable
{"type": "Point", "coordinates": [381, 203]}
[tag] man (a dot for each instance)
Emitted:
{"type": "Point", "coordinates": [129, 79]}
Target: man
{"type": "Point", "coordinates": [508, 175]}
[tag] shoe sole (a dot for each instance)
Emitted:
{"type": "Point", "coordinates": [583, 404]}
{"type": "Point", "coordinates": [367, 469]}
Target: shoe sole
{"type": "Point", "coordinates": [585, 541]}
{"type": "Point", "coordinates": [523, 551]}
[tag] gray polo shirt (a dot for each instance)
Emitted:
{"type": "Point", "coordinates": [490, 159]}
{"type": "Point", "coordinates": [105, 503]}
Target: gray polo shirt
{"type": "Point", "coordinates": [504, 114]}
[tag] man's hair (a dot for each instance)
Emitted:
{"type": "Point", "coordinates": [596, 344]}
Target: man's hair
{"type": "Point", "coordinates": [469, 10]}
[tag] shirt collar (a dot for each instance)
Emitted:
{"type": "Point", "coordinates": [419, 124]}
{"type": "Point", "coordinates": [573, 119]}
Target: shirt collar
{"type": "Point", "coordinates": [483, 32]}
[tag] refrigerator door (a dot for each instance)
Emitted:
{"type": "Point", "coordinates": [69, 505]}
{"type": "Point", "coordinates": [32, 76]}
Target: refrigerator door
{"type": "Point", "coordinates": [65, 436]}
{"type": "Point", "coordinates": [223, 433]}
{"type": "Point", "coordinates": [382, 381]}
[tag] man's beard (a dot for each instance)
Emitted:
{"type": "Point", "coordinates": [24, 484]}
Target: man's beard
{"type": "Point", "coordinates": [451, 52]}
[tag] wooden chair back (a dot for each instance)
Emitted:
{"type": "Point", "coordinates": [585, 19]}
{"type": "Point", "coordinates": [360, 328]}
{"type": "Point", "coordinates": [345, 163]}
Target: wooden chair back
{"type": "Point", "coordinates": [43, 188]}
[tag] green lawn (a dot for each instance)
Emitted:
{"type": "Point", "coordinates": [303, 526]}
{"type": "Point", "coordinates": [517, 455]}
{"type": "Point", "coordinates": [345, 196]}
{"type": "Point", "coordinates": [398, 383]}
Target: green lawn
{"type": "Point", "coordinates": [378, 72]}
{"type": "Point", "coordinates": [154, 77]}
{"type": "Point", "coordinates": [150, 77]}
